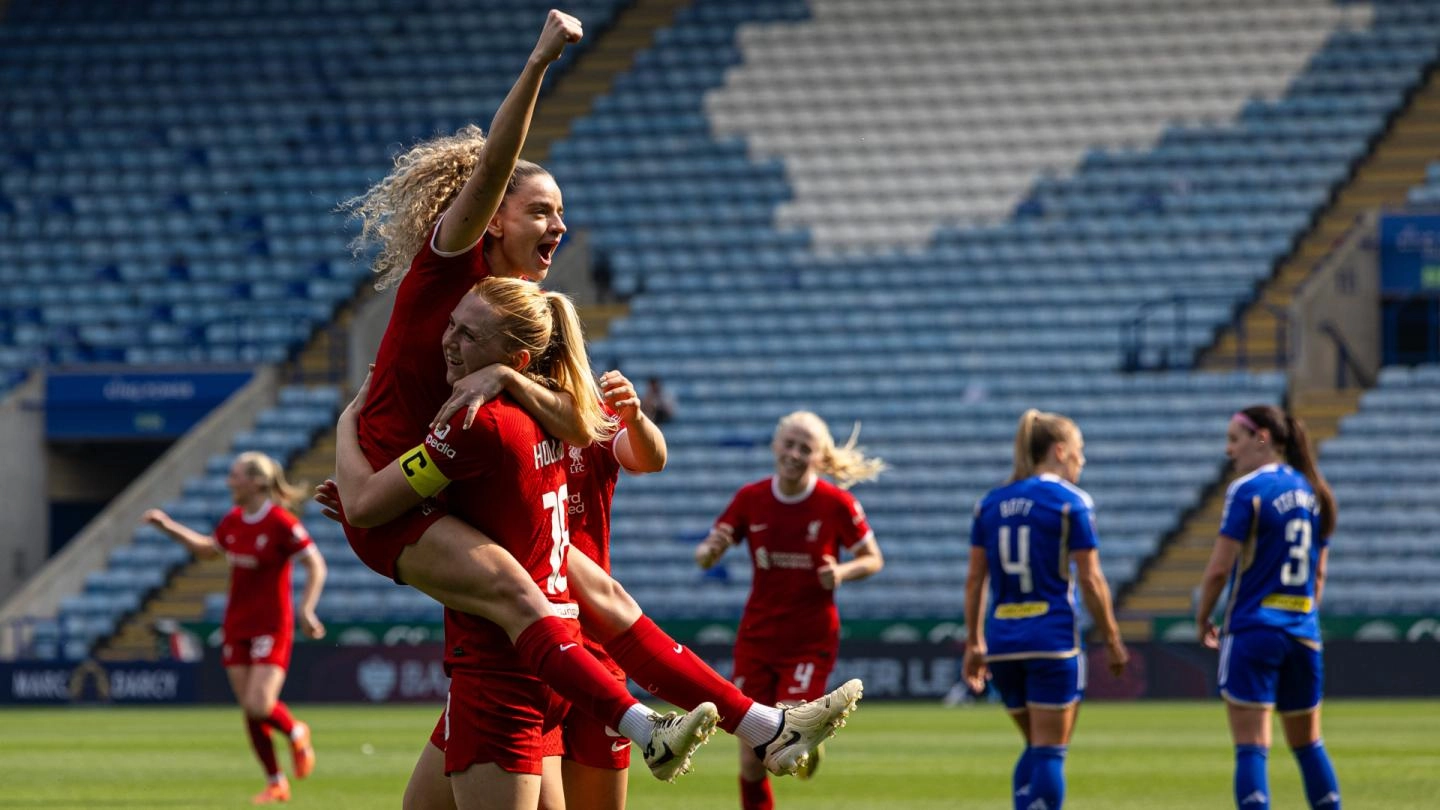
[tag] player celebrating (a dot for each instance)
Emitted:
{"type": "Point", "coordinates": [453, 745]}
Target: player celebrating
{"type": "Point", "coordinates": [796, 524]}
{"type": "Point", "coordinates": [259, 539]}
{"type": "Point", "coordinates": [465, 207]}
{"type": "Point", "coordinates": [1273, 546]}
{"type": "Point", "coordinates": [507, 477]}
{"type": "Point", "coordinates": [1024, 539]}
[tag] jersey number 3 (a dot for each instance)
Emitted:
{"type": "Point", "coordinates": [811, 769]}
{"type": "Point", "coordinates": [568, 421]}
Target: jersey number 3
{"type": "Point", "coordinates": [1296, 570]}
{"type": "Point", "coordinates": [557, 502]}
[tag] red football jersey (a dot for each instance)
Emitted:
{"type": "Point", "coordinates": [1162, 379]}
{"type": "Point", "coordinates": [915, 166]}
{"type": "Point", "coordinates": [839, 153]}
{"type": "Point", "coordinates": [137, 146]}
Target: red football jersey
{"type": "Point", "coordinates": [408, 385]}
{"type": "Point", "coordinates": [592, 473]}
{"type": "Point", "coordinates": [259, 548]}
{"type": "Point", "coordinates": [787, 539]}
{"type": "Point", "coordinates": [508, 481]}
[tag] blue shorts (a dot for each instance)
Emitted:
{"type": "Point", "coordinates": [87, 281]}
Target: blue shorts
{"type": "Point", "coordinates": [1268, 667]}
{"type": "Point", "coordinates": [1046, 683]}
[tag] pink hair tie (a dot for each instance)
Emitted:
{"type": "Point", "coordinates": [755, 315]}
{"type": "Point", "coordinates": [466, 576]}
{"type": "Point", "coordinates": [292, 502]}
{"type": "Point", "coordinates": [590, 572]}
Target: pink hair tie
{"type": "Point", "coordinates": [1245, 421]}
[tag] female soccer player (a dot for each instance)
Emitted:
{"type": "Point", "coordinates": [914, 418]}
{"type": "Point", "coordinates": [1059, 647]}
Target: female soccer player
{"type": "Point", "coordinates": [260, 538]}
{"type": "Point", "coordinates": [1024, 539]}
{"type": "Point", "coordinates": [464, 209]}
{"type": "Point", "coordinates": [1273, 546]}
{"type": "Point", "coordinates": [507, 477]}
{"type": "Point", "coordinates": [796, 524]}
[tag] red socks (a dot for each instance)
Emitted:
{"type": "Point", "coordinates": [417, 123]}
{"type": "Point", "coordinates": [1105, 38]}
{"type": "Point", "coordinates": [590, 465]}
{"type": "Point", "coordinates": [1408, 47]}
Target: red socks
{"type": "Point", "coordinates": [264, 747]}
{"type": "Point", "coordinates": [280, 718]}
{"type": "Point", "coordinates": [668, 670]}
{"type": "Point", "coordinates": [756, 795]}
{"type": "Point", "coordinates": [553, 652]}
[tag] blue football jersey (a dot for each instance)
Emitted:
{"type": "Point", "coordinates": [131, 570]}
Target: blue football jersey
{"type": "Point", "coordinates": [1028, 529]}
{"type": "Point", "coordinates": [1274, 514]}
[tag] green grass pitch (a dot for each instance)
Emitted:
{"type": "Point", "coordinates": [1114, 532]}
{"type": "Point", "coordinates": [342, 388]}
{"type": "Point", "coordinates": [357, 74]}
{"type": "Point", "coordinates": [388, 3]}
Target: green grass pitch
{"type": "Point", "coordinates": [1124, 755]}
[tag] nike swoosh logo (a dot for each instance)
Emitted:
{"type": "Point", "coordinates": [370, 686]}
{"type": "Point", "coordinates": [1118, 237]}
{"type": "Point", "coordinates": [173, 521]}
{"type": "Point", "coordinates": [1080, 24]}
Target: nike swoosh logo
{"type": "Point", "coordinates": [619, 746]}
{"type": "Point", "coordinates": [564, 647]}
{"type": "Point", "coordinates": [679, 649]}
{"type": "Point", "coordinates": [660, 760]}
{"type": "Point", "coordinates": [759, 527]}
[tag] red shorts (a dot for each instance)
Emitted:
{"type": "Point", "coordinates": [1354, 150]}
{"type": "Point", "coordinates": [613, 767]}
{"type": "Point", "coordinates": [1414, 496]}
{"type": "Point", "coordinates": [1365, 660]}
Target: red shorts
{"type": "Point", "coordinates": [590, 742]}
{"type": "Point", "coordinates": [770, 675]}
{"type": "Point", "coordinates": [245, 652]}
{"type": "Point", "coordinates": [380, 546]}
{"type": "Point", "coordinates": [500, 717]}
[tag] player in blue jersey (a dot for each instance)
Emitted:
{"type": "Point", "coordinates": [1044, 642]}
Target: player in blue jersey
{"type": "Point", "coordinates": [1025, 537]}
{"type": "Point", "coordinates": [1272, 548]}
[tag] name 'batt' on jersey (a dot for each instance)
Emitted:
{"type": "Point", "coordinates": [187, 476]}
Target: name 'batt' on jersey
{"type": "Point", "coordinates": [1274, 514]}
{"type": "Point", "coordinates": [1028, 529]}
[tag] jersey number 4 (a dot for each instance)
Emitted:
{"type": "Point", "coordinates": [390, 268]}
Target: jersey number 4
{"type": "Point", "coordinates": [1016, 559]}
{"type": "Point", "coordinates": [558, 502]}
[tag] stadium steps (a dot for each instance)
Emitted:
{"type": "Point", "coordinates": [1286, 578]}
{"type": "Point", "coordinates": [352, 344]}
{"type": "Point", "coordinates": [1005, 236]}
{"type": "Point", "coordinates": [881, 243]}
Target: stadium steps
{"type": "Point", "coordinates": [593, 73]}
{"type": "Point", "coordinates": [1382, 179]}
{"type": "Point", "coordinates": [182, 599]}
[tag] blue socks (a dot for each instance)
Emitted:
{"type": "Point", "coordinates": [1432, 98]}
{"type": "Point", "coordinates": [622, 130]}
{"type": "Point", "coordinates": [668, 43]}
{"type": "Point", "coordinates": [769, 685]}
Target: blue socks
{"type": "Point", "coordinates": [1321, 788]}
{"type": "Point", "coordinates": [1047, 779]}
{"type": "Point", "coordinates": [1020, 781]}
{"type": "Point", "coordinates": [1252, 788]}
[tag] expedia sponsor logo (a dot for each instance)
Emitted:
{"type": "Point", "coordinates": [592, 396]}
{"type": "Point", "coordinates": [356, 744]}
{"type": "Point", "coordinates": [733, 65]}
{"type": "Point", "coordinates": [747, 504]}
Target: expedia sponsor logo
{"type": "Point", "coordinates": [440, 447]}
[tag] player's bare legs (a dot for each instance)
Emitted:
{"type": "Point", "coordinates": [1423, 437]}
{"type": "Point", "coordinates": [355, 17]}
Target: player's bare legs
{"type": "Point", "coordinates": [429, 789]}
{"type": "Point", "coordinates": [489, 787]}
{"type": "Point", "coordinates": [463, 569]}
{"type": "Point", "coordinates": [588, 788]}
{"type": "Point", "coordinates": [552, 785]}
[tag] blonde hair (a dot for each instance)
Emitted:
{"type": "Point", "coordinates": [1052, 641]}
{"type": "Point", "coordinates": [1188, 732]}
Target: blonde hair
{"type": "Point", "coordinates": [1038, 432]}
{"type": "Point", "coordinates": [271, 475]}
{"type": "Point", "coordinates": [546, 324]}
{"type": "Point", "coordinates": [847, 464]}
{"type": "Point", "coordinates": [399, 212]}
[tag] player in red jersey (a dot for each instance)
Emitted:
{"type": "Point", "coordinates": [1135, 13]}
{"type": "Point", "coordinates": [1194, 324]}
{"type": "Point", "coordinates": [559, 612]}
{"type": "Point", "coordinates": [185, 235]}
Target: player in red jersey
{"type": "Point", "coordinates": [260, 538]}
{"type": "Point", "coordinates": [596, 760]}
{"type": "Point", "coordinates": [504, 218]}
{"type": "Point", "coordinates": [507, 477]}
{"type": "Point", "coordinates": [796, 524]}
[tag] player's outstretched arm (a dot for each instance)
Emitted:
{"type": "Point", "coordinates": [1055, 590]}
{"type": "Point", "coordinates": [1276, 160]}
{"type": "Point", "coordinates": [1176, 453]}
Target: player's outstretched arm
{"type": "Point", "coordinates": [201, 545]}
{"type": "Point", "coordinates": [469, 215]}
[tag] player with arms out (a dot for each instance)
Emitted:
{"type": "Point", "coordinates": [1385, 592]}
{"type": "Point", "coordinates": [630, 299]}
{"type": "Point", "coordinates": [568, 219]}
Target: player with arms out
{"type": "Point", "coordinates": [1024, 540]}
{"type": "Point", "coordinates": [260, 539]}
{"type": "Point", "coordinates": [1273, 546]}
{"type": "Point", "coordinates": [796, 524]}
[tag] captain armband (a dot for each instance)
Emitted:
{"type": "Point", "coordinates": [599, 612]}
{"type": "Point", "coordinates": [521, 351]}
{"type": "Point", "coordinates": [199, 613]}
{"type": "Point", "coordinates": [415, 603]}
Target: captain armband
{"type": "Point", "coordinates": [421, 473]}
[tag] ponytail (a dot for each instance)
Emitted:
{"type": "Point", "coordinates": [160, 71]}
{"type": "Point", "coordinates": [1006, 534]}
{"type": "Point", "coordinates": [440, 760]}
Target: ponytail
{"type": "Point", "coordinates": [1301, 455]}
{"type": "Point", "coordinates": [1290, 436]}
{"type": "Point", "coordinates": [545, 325]}
{"type": "Point", "coordinates": [569, 367]}
{"type": "Point", "coordinates": [272, 476]}
{"type": "Point", "coordinates": [1037, 432]}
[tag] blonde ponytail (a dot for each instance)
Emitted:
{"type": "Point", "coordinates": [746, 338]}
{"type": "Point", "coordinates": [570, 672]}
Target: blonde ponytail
{"type": "Point", "coordinates": [1037, 432]}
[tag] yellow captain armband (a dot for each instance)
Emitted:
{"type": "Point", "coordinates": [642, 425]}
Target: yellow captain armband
{"type": "Point", "coordinates": [421, 473]}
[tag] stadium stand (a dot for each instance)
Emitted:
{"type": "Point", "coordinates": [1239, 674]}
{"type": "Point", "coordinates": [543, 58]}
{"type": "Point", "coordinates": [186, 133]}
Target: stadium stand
{"type": "Point", "coordinates": [1170, 153]}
